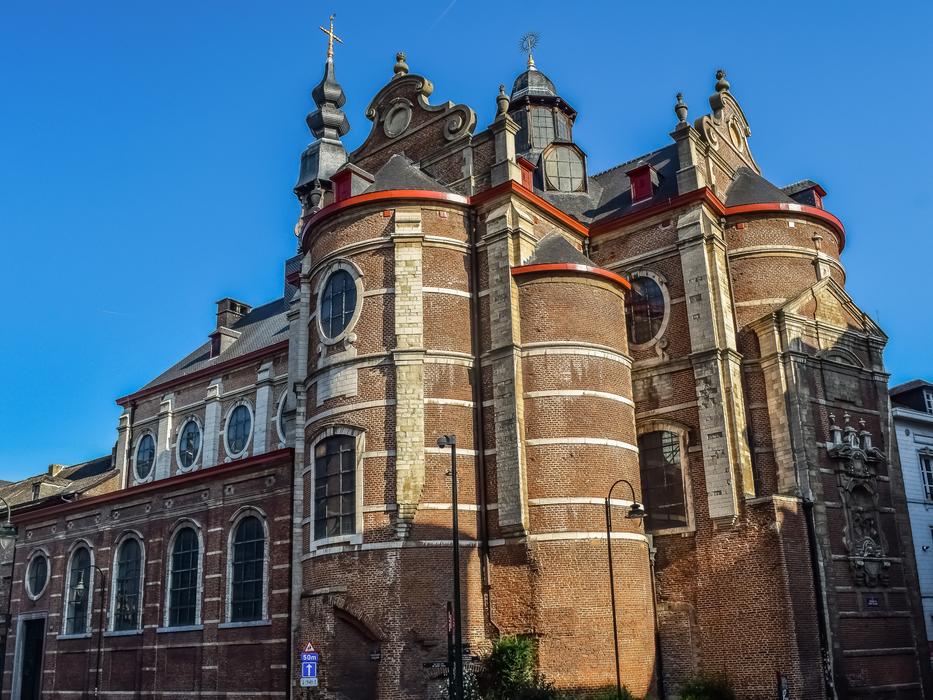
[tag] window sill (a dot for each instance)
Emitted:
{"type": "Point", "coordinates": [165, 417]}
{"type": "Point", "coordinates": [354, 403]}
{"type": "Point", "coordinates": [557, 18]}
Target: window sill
{"type": "Point", "coordinates": [122, 633]}
{"type": "Point", "coordinates": [246, 623]}
{"type": "Point", "coordinates": [179, 628]}
{"type": "Point", "coordinates": [83, 635]}
{"type": "Point", "coordinates": [338, 539]}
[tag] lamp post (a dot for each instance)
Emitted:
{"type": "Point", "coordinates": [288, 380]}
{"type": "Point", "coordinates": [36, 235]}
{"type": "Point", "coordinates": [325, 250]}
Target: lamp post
{"type": "Point", "coordinates": [636, 511]}
{"type": "Point", "coordinates": [79, 593]}
{"type": "Point", "coordinates": [457, 670]}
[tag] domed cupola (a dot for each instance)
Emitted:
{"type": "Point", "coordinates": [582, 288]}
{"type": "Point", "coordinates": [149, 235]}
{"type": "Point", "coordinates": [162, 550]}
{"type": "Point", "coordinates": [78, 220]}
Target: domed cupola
{"type": "Point", "coordinates": [545, 135]}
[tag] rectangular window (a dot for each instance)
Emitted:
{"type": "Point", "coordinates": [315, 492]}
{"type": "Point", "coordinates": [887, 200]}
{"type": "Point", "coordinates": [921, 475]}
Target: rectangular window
{"type": "Point", "coordinates": [926, 468]}
{"type": "Point", "coordinates": [662, 480]}
{"type": "Point", "coordinates": [542, 127]}
{"type": "Point", "coordinates": [928, 400]}
{"type": "Point", "coordinates": [335, 487]}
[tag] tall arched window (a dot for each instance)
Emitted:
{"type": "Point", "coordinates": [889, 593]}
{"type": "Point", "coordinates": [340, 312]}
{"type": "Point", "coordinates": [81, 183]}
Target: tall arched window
{"type": "Point", "coordinates": [80, 586]}
{"type": "Point", "coordinates": [338, 303]}
{"type": "Point", "coordinates": [335, 487]}
{"type": "Point", "coordinates": [247, 573]}
{"type": "Point", "coordinates": [662, 480]}
{"type": "Point", "coordinates": [184, 579]}
{"type": "Point", "coordinates": [127, 585]}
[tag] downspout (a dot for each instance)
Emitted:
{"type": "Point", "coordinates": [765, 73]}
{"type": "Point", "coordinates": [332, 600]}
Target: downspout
{"type": "Point", "coordinates": [479, 436]}
{"type": "Point", "coordinates": [659, 657]}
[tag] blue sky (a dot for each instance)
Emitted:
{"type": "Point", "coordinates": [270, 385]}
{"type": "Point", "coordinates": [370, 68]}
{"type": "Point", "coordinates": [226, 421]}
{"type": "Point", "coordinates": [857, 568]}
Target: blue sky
{"type": "Point", "coordinates": [148, 151]}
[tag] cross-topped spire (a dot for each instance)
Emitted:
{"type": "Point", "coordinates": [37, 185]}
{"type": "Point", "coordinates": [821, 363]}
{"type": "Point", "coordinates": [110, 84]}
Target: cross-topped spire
{"type": "Point", "coordinates": [331, 37]}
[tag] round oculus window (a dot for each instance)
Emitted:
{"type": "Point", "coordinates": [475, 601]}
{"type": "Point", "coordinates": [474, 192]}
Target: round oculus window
{"type": "Point", "coordinates": [189, 444]}
{"type": "Point", "coordinates": [645, 308]}
{"type": "Point", "coordinates": [145, 456]}
{"type": "Point", "coordinates": [239, 425]}
{"type": "Point", "coordinates": [338, 303]}
{"type": "Point", "coordinates": [563, 169]}
{"type": "Point", "coordinates": [37, 575]}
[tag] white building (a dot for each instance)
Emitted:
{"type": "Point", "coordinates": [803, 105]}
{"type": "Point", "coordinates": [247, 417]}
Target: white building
{"type": "Point", "coordinates": [912, 411]}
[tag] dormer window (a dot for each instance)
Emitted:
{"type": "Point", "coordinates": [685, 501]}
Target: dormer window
{"type": "Point", "coordinates": [643, 179]}
{"type": "Point", "coordinates": [928, 400]}
{"type": "Point", "coordinates": [564, 170]}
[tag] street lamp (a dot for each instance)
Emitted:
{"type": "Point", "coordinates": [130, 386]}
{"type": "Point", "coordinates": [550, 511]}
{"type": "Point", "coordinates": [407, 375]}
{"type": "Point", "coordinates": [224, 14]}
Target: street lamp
{"type": "Point", "coordinates": [635, 512]}
{"type": "Point", "coordinates": [7, 530]}
{"type": "Point", "coordinates": [457, 670]}
{"type": "Point", "coordinates": [79, 594]}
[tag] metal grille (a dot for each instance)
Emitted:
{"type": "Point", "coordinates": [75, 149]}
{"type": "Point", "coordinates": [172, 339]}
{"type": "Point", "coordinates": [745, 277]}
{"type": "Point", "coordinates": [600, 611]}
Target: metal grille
{"type": "Point", "coordinates": [183, 588]}
{"type": "Point", "coordinates": [126, 598]}
{"type": "Point", "coordinates": [662, 480]}
{"type": "Point", "coordinates": [335, 487]}
{"type": "Point", "coordinates": [249, 548]}
{"type": "Point", "coordinates": [338, 303]}
{"type": "Point", "coordinates": [79, 587]}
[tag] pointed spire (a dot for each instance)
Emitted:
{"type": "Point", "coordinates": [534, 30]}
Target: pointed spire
{"type": "Point", "coordinates": [328, 121]}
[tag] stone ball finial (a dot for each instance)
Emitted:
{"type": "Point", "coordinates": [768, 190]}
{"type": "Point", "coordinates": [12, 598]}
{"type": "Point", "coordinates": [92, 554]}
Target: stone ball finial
{"type": "Point", "coordinates": [722, 85]}
{"type": "Point", "coordinates": [401, 68]}
{"type": "Point", "coordinates": [502, 102]}
{"type": "Point", "coordinates": [680, 109]}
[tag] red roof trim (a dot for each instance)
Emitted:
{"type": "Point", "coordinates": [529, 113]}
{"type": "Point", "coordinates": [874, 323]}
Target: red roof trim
{"type": "Point", "coordinates": [512, 187]}
{"type": "Point", "coordinates": [206, 372]}
{"type": "Point", "coordinates": [370, 197]}
{"type": "Point", "coordinates": [702, 194]}
{"type": "Point", "coordinates": [571, 267]}
{"type": "Point", "coordinates": [133, 491]}
{"type": "Point", "coordinates": [785, 207]}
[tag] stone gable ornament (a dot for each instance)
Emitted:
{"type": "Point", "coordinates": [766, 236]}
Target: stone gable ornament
{"type": "Point", "coordinates": [856, 467]}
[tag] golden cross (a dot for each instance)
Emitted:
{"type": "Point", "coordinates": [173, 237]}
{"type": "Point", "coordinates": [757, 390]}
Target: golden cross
{"type": "Point", "coordinates": [330, 37]}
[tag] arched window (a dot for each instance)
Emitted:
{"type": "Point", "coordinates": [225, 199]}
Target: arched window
{"type": "Point", "coordinates": [644, 309]}
{"type": "Point", "coordinates": [127, 585]}
{"type": "Point", "coordinates": [338, 303]}
{"type": "Point", "coordinates": [335, 487]}
{"type": "Point", "coordinates": [80, 586]}
{"type": "Point", "coordinates": [662, 480]}
{"type": "Point", "coordinates": [184, 579]}
{"type": "Point", "coordinates": [247, 574]}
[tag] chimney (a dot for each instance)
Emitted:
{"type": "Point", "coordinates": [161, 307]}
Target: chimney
{"type": "Point", "coordinates": [54, 469]}
{"type": "Point", "coordinates": [229, 311]}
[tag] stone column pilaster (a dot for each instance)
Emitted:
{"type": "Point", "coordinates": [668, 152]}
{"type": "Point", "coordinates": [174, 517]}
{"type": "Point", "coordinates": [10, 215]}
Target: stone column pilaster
{"type": "Point", "coordinates": [408, 358]}
{"type": "Point", "coordinates": [506, 167]}
{"type": "Point", "coordinates": [212, 422]}
{"type": "Point", "coordinates": [163, 460]}
{"type": "Point", "coordinates": [263, 401]}
{"type": "Point", "coordinates": [124, 436]}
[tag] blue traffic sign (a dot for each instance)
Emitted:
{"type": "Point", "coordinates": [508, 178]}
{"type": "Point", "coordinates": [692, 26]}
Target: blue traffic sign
{"type": "Point", "coordinates": [309, 656]}
{"type": "Point", "coordinates": [309, 669]}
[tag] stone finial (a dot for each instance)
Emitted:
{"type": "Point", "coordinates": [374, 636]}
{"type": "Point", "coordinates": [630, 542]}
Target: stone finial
{"type": "Point", "coordinates": [722, 85]}
{"type": "Point", "coordinates": [680, 109]}
{"type": "Point", "coordinates": [502, 102]}
{"type": "Point", "coordinates": [400, 68]}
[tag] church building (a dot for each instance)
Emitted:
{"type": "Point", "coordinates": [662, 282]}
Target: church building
{"type": "Point", "coordinates": [671, 335]}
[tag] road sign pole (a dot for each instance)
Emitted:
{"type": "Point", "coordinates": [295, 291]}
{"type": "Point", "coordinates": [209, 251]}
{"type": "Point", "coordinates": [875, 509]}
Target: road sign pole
{"type": "Point", "coordinates": [451, 689]}
{"type": "Point", "coordinates": [456, 669]}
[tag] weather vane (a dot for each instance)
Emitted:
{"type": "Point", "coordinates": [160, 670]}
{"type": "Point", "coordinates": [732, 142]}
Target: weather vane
{"type": "Point", "coordinates": [527, 44]}
{"type": "Point", "coordinates": [331, 37]}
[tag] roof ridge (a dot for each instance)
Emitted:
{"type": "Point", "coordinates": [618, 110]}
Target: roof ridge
{"type": "Point", "coordinates": [629, 162]}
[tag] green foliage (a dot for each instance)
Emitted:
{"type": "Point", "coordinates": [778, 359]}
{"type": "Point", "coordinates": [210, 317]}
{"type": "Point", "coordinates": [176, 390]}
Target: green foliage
{"type": "Point", "coordinates": [509, 672]}
{"type": "Point", "coordinates": [707, 687]}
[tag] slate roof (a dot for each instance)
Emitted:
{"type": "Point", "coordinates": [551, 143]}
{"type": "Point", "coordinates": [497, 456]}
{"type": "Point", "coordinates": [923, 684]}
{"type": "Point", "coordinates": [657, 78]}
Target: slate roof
{"type": "Point", "coordinates": [749, 187]}
{"type": "Point", "coordinates": [554, 248]}
{"type": "Point", "coordinates": [73, 479]}
{"type": "Point", "coordinates": [609, 193]}
{"type": "Point", "coordinates": [799, 186]}
{"type": "Point", "coordinates": [532, 83]}
{"type": "Point", "coordinates": [263, 326]}
{"type": "Point", "coordinates": [399, 173]}
{"type": "Point", "coordinates": [909, 386]}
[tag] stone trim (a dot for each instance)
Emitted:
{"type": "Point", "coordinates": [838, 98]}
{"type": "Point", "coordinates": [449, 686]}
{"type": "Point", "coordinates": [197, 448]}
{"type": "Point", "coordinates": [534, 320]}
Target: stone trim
{"type": "Point", "coordinates": [359, 449]}
{"type": "Point", "coordinates": [579, 392]}
{"type": "Point", "coordinates": [89, 586]}
{"type": "Point", "coordinates": [661, 281]}
{"type": "Point", "coordinates": [151, 475]}
{"type": "Point", "coordinates": [194, 463]}
{"type": "Point", "coordinates": [327, 272]}
{"type": "Point", "coordinates": [605, 442]}
{"type": "Point", "coordinates": [37, 551]}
